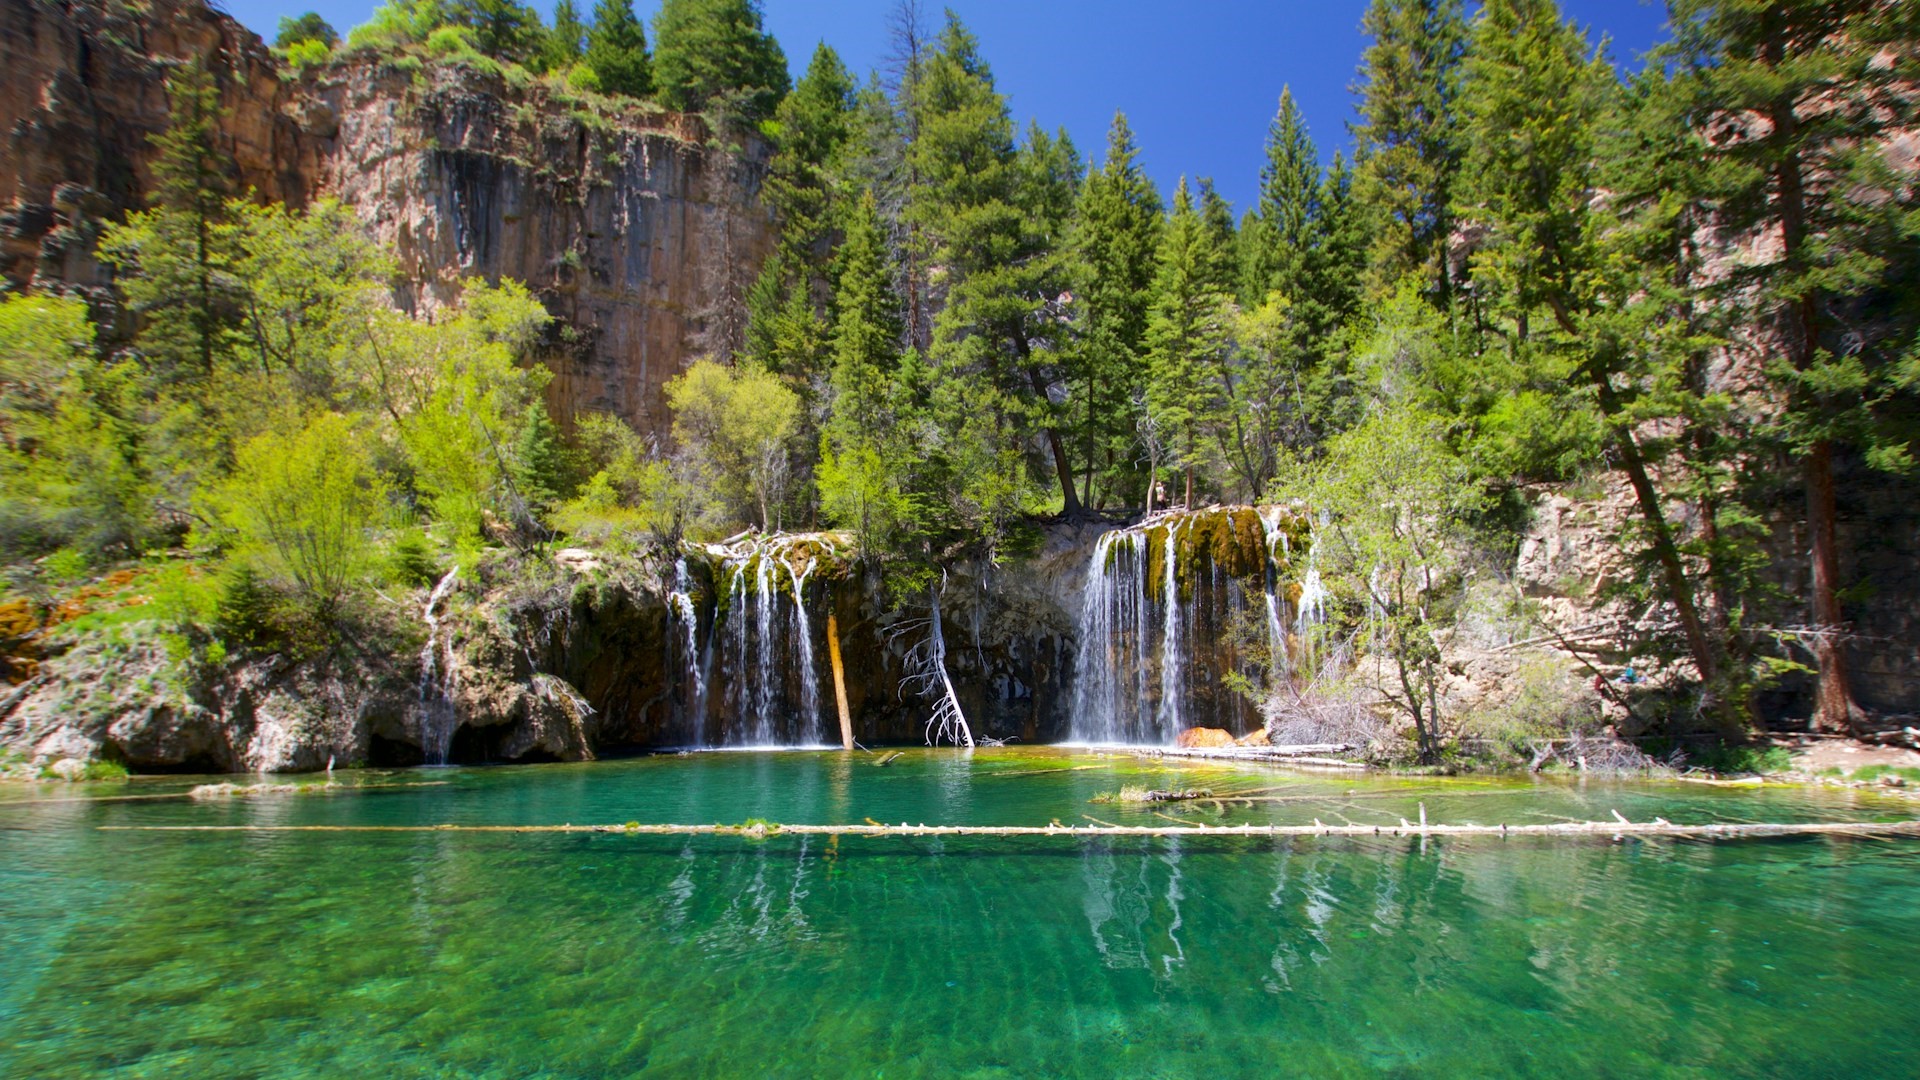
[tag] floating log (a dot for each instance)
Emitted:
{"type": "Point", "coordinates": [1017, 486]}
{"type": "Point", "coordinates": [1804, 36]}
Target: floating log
{"type": "Point", "coordinates": [1291, 755]}
{"type": "Point", "coordinates": [1659, 827]}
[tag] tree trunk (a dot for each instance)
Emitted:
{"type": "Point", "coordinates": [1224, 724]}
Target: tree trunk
{"type": "Point", "coordinates": [1679, 590]}
{"type": "Point", "coordinates": [1834, 707]}
{"type": "Point", "coordinates": [1069, 501]}
{"type": "Point", "coordinates": [839, 679]}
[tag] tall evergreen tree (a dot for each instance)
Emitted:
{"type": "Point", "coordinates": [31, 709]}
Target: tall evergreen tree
{"type": "Point", "coordinates": [1341, 259]}
{"type": "Point", "coordinates": [617, 49]}
{"type": "Point", "coordinates": [1117, 237]}
{"type": "Point", "coordinates": [1223, 267]}
{"type": "Point", "coordinates": [565, 41]}
{"type": "Point", "coordinates": [965, 209]}
{"type": "Point", "coordinates": [866, 327]}
{"type": "Point", "coordinates": [1801, 98]}
{"type": "Point", "coordinates": [816, 124]}
{"type": "Point", "coordinates": [1407, 147]}
{"type": "Point", "coordinates": [1288, 209]}
{"type": "Point", "coordinates": [501, 29]}
{"type": "Point", "coordinates": [1047, 192]}
{"type": "Point", "coordinates": [1536, 96]}
{"type": "Point", "coordinates": [190, 315]}
{"type": "Point", "coordinates": [868, 479]}
{"type": "Point", "coordinates": [1186, 338]}
{"type": "Point", "coordinates": [710, 52]}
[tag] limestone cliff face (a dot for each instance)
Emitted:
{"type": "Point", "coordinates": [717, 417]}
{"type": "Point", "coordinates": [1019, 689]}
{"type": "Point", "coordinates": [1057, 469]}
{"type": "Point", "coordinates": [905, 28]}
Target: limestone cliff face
{"type": "Point", "coordinates": [634, 228]}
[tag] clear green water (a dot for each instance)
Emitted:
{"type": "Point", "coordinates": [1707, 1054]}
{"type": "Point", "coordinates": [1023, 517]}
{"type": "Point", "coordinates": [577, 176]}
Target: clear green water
{"type": "Point", "coordinates": [505, 955]}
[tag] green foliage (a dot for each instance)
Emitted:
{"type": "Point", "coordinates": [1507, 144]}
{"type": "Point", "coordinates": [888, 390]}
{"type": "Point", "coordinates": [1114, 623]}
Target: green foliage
{"type": "Point", "coordinates": [93, 771]}
{"type": "Point", "coordinates": [1187, 344]}
{"type": "Point", "coordinates": [397, 24]}
{"type": "Point", "coordinates": [541, 463]}
{"type": "Point", "coordinates": [564, 43]}
{"type": "Point", "coordinates": [303, 28]}
{"type": "Point", "coordinates": [69, 462]}
{"type": "Point", "coordinates": [736, 425]}
{"type": "Point", "coordinates": [1394, 497]}
{"type": "Point", "coordinates": [815, 125]}
{"type": "Point", "coordinates": [1875, 772]}
{"type": "Point", "coordinates": [714, 55]}
{"type": "Point", "coordinates": [500, 29]}
{"type": "Point", "coordinates": [410, 559]}
{"type": "Point", "coordinates": [462, 401]}
{"type": "Point", "coordinates": [1117, 235]}
{"type": "Point", "coordinates": [617, 50]}
{"type": "Point", "coordinates": [1407, 145]}
{"type": "Point", "coordinates": [1748, 759]}
{"type": "Point", "coordinates": [304, 508]}
{"type": "Point", "coordinates": [630, 494]}
{"type": "Point", "coordinates": [302, 55]}
{"type": "Point", "coordinates": [245, 613]}
{"type": "Point", "coordinates": [67, 566]}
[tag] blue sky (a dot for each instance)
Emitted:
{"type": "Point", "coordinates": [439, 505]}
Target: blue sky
{"type": "Point", "coordinates": [1198, 79]}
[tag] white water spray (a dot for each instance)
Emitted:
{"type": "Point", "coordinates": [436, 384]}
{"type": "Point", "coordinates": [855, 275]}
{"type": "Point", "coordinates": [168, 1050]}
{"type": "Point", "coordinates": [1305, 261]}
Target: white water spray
{"type": "Point", "coordinates": [438, 717]}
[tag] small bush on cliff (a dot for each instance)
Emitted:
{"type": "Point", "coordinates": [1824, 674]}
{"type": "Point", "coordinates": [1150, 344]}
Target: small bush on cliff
{"type": "Point", "coordinates": [308, 27]}
{"type": "Point", "coordinates": [410, 560]}
{"type": "Point", "coordinates": [244, 614]}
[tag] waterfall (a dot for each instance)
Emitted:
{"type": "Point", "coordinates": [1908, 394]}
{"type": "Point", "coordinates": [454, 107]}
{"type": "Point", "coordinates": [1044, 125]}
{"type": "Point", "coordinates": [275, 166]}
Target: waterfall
{"type": "Point", "coordinates": [680, 608]}
{"type": "Point", "coordinates": [437, 714]}
{"type": "Point", "coordinates": [1173, 658]}
{"type": "Point", "coordinates": [772, 690]}
{"type": "Point", "coordinates": [1161, 600]}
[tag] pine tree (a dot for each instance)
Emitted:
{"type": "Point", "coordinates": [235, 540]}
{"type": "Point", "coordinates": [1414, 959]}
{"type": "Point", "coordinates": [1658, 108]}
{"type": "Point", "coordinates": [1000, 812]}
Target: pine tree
{"type": "Point", "coordinates": [1340, 258]}
{"type": "Point", "coordinates": [617, 50]}
{"type": "Point", "coordinates": [309, 26]}
{"type": "Point", "coordinates": [715, 52]}
{"type": "Point", "coordinates": [564, 43]}
{"type": "Point", "coordinates": [1223, 241]}
{"type": "Point", "coordinates": [1288, 209]}
{"type": "Point", "coordinates": [1535, 98]}
{"type": "Point", "coordinates": [866, 327]}
{"type": "Point", "coordinates": [1186, 337]}
{"type": "Point", "coordinates": [1800, 99]}
{"type": "Point", "coordinates": [1407, 147]}
{"type": "Point", "coordinates": [502, 29]}
{"type": "Point", "coordinates": [191, 186]}
{"type": "Point", "coordinates": [540, 461]}
{"type": "Point", "coordinates": [1047, 191]}
{"type": "Point", "coordinates": [815, 125]}
{"type": "Point", "coordinates": [1117, 236]}
{"type": "Point", "coordinates": [965, 215]}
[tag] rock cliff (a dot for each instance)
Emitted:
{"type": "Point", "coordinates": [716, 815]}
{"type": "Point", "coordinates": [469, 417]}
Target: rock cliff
{"type": "Point", "coordinates": [636, 229]}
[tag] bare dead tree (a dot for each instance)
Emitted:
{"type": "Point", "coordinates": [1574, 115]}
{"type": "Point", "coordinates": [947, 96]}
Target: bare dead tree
{"type": "Point", "coordinates": [927, 676]}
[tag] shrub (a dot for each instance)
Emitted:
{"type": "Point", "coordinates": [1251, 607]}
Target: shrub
{"type": "Point", "coordinates": [244, 612]}
{"type": "Point", "coordinates": [307, 54]}
{"type": "Point", "coordinates": [410, 560]}
{"type": "Point", "coordinates": [303, 508]}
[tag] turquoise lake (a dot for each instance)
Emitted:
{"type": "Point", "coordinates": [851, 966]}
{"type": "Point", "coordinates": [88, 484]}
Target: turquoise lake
{"type": "Point", "coordinates": [456, 954]}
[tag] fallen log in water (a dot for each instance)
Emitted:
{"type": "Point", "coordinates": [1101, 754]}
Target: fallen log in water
{"type": "Point", "coordinates": [1306, 754]}
{"type": "Point", "coordinates": [1619, 828]}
